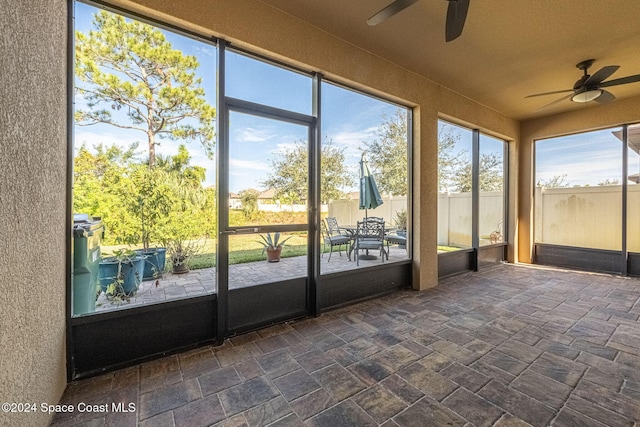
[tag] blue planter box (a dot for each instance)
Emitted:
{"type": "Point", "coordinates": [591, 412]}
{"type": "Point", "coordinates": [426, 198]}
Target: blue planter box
{"type": "Point", "coordinates": [131, 273]}
{"type": "Point", "coordinates": [154, 263]}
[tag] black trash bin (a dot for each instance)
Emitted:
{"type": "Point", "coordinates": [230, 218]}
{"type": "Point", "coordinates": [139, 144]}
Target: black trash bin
{"type": "Point", "coordinates": [87, 235]}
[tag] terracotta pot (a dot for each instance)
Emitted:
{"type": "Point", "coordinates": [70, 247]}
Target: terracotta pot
{"type": "Point", "coordinates": [180, 265]}
{"type": "Point", "coordinates": [273, 255]}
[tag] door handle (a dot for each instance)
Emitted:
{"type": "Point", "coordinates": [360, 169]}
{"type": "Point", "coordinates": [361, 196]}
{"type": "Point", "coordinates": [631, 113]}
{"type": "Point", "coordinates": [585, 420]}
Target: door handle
{"type": "Point", "coordinates": [241, 231]}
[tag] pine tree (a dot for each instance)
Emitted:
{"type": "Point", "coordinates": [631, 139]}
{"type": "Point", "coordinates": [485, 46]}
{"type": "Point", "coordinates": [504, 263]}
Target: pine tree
{"type": "Point", "coordinates": [127, 68]}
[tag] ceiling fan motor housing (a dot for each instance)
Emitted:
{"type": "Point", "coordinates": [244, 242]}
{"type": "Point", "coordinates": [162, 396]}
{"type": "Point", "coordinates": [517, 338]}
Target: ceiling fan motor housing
{"type": "Point", "coordinates": [580, 83]}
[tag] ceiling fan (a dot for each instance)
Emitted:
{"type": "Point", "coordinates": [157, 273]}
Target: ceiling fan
{"type": "Point", "coordinates": [590, 87]}
{"type": "Point", "coordinates": [456, 15]}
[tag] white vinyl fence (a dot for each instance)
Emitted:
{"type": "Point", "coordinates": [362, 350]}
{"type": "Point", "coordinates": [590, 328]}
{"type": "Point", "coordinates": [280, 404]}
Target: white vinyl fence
{"type": "Point", "coordinates": [588, 217]}
{"type": "Point", "coordinates": [454, 218]}
{"type": "Point", "coordinates": [347, 212]}
{"type": "Point", "coordinates": [454, 215]}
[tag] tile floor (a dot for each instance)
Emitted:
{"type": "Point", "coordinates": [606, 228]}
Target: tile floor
{"type": "Point", "coordinates": [510, 346]}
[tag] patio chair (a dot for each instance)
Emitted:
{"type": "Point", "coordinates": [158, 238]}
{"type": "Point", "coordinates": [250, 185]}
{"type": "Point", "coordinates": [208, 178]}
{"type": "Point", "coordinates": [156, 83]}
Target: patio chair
{"type": "Point", "coordinates": [370, 235]}
{"type": "Point", "coordinates": [396, 239]}
{"type": "Point", "coordinates": [333, 240]}
{"type": "Point", "coordinates": [374, 219]}
{"type": "Point", "coordinates": [335, 229]}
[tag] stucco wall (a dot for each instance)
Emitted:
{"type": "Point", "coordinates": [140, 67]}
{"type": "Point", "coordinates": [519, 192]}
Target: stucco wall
{"type": "Point", "coordinates": [32, 206]}
{"type": "Point", "coordinates": [584, 119]}
{"type": "Point", "coordinates": [265, 30]}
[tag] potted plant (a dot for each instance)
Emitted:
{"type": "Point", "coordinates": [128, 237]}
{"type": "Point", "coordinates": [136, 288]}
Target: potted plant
{"type": "Point", "coordinates": [180, 234]}
{"type": "Point", "coordinates": [272, 246]}
{"type": "Point", "coordinates": [153, 204]}
{"type": "Point", "coordinates": [401, 222]}
{"type": "Point", "coordinates": [180, 251]}
{"type": "Point", "coordinates": [120, 274]}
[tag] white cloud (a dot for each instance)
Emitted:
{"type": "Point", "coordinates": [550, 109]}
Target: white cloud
{"type": "Point", "coordinates": [201, 48]}
{"type": "Point", "coordinates": [353, 142]}
{"type": "Point", "coordinates": [245, 167]}
{"type": "Point", "coordinates": [587, 168]}
{"type": "Point", "coordinates": [253, 135]}
{"type": "Point", "coordinates": [91, 138]}
{"type": "Point", "coordinates": [353, 138]}
{"type": "Point", "coordinates": [587, 158]}
{"type": "Point", "coordinates": [284, 147]}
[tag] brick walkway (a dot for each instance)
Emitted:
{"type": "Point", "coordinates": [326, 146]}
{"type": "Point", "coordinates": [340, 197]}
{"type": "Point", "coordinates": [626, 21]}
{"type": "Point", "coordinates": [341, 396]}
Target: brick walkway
{"type": "Point", "coordinates": [510, 346]}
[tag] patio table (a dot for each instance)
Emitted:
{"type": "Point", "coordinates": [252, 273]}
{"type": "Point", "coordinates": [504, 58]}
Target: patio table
{"type": "Point", "coordinates": [352, 229]}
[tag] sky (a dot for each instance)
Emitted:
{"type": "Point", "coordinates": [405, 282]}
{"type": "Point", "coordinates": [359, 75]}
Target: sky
{"type": "Point", "coordinates": [587, 158]}
{"type": "Point", "coordinates": [348, 118]}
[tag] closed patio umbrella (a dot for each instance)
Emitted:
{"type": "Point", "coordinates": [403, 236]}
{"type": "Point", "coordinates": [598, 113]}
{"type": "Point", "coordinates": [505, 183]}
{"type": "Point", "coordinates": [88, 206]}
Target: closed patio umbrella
{"type": "Point", "coordinates": [369, 195]}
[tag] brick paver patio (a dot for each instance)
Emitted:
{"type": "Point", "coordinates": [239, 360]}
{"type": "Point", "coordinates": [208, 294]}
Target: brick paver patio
{"type": "Point", "coordinates": [510, 346]}
{"type": "Point", "coordinates": [202, 281]}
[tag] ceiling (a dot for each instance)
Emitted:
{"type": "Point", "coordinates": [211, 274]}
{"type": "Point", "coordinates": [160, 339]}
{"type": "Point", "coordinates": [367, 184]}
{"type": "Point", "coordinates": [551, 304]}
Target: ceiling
{"type": "Point", "coordinates": [509, 48]}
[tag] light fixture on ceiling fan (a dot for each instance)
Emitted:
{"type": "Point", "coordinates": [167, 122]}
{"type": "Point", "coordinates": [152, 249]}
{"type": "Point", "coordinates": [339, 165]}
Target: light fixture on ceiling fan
{"type": "Point", "coordinates": [456, 15]}
{"type": "Point", "coordinates": [589, 87]}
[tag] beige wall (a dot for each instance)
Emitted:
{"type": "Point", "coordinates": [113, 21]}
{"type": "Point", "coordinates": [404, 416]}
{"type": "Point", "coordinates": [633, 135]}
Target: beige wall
{"type": "Point", "coordinates": [588, 118]}
{"type": "Point", "coordinates": [265, 30]}
{"type": "Point", "coordinates": [32, 206]}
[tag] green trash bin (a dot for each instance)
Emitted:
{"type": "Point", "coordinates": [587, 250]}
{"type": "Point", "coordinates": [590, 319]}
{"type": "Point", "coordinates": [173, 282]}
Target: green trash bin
{"type": "Point", "coordinates": [87, 234]}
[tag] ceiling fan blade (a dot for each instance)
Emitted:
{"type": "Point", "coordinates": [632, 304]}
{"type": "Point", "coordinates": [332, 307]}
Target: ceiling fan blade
{"type": "Point", "coordinates": [621, 81]}
{"type": "Point", "coordinates": [456, 16]}
{"type": "Point", "coordinates": [557, 101]}
{"type": "Point", "coordinates": [605, 97]}
{"type": "Point", "coordinates": [549, 93]}
{"type": "Point", "coordinates": [601, 75]}
{"type": "Point", "coordinates": [389, 11]}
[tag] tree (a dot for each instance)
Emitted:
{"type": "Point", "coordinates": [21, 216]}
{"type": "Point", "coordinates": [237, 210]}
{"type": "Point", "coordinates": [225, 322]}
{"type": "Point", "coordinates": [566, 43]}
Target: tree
{"type": "Point", "coordinates": [609, 181]}
{"type": "Point", "coordinates": [101, 180]}
{"type": "Point", "coordinates": [450, 162]}
{"type": "Point", "coordinates": [490, 174]}
{"type": "Point", "coordinates": [130, 66]}
{"type": "Point", "coordinates": [290, 177]}
{"type": "Point", "coordinates": [142, 204]}
{"type": "Point", "coordinates": [455, 169]}
{"type": "Point", "coordinates": [192, 176]}
{"type": "Point", "coordinates": [387, 154]}
{"type": "Point", "coordinates": [557, 181]}
{"type": "Point", "coordinates": [334, 175]}
{"type": "Point", "coordinates": [249, 199]}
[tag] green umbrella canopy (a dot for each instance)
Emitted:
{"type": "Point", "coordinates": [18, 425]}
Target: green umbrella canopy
{"type": "Point", "coordinates": [369, 195]}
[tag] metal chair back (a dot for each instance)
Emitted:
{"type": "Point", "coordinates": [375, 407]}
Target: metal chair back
{"type": "Point", "coordinates": [332, 224]}
{"type": "Point", "coordinates": [331, 240]}
{"type": "Point", "coordinates": [374, 219]}
{"type": "Point", "coordinates": [370, 229]}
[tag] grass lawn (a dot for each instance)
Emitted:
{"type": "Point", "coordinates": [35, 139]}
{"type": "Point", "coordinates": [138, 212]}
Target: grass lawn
{"type": "Point", "coordinates": [448, 248]}
{"type": "Point", "coordinates": [242, 249]}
